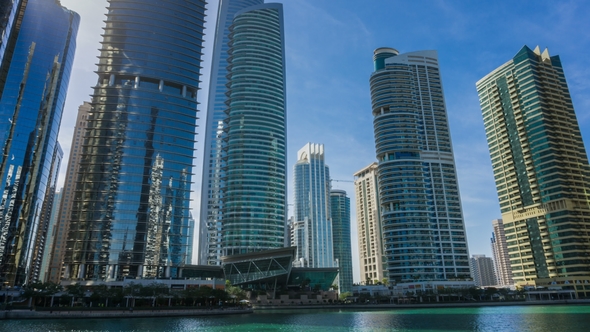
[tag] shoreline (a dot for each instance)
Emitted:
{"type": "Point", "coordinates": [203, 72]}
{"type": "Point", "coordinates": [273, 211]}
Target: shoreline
{"type": "Point", "coordinates": [424, 305]}
{"type": "Point", "coordinates": [75, 314]}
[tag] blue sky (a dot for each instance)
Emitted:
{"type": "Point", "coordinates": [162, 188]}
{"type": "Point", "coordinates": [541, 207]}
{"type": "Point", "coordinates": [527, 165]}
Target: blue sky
{"type": "Point", "coordinates": [329, 47]}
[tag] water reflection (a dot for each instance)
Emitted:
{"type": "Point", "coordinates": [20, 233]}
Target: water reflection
{"type": "Point", "coordinates": [538, 319]}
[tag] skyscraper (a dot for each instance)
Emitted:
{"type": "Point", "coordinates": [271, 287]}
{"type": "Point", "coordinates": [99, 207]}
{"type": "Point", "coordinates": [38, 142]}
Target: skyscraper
{"type": "Point", "coordinates": [340, 212]}
{"type": "Point", "coordinates": [254, 192]}
{"type": "Point", "coordinates": [131, 204]}
{"type": "Point", "coordinates": [11, 15]}
{"type": "Point", "coordinates": [482, 270]}
{"type": "Point", "coordinates": [541, 168]}
{"type": "Point", "coordinates": [210, 250]}
{"type": "Point", "coordinates": [37, 75]}
{"type": "Point", "coordinates": [42, 241]}
{"type": "Point", "coordinates": [500, 252]}
{"type": "Point", "coordinates": [423, 229]}
{"type": "Point", "coordinates": [313, 222]}
{"type": "Point", "coordinates": [62, 224]}
{"type": "Point", "coordinates": [372, 262]}
{"type": "Point", "coordinates": [52, 231]}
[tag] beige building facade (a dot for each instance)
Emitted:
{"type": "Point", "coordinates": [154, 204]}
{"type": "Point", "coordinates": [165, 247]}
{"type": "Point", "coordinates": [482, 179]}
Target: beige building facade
{"type": "Point", "coordinates": [369, 228]}
{"type": "Point", "coordinates": [60, 230]}
{"type": "Point", "coordinates": [540, 168]}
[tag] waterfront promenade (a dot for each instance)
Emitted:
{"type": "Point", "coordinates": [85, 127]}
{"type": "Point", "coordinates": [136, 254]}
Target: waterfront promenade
{"type": "Point", "coordinates": [65, 314]}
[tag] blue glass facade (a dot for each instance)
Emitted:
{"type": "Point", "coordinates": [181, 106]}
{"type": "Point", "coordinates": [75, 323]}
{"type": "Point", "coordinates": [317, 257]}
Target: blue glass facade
{"type": "Point", "coordinates": [340, 212]}
{"type": "Point", "coordinates": [254, 193]}
{"type": "Point", "coordinates": [30, 114]}
{"type": "Point", "coordinates": [213, 161]}
{"type": "Point", "coordinates": [313, 222]}
{"type": "Point", "coordinates": [130, 216]}
{"type": "Point", "coordinates": [423, 230]}
{"type": "Point", "coordinates": [11, 15]}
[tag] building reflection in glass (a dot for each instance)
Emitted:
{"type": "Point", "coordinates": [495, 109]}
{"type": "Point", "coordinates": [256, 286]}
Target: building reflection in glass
{"type": "Point", "coordinates": [36, 69]}
{"type": "Point", "coordinates": [130, 216]}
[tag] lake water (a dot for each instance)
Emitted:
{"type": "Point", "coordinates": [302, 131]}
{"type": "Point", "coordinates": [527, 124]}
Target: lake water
{"type": "Point", "coordinates": [497, 319]}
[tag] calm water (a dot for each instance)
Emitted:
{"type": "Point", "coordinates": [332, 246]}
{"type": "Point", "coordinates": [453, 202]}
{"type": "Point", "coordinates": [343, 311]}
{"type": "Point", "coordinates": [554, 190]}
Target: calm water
{"type": "Point", "coordinates": [497, 319]}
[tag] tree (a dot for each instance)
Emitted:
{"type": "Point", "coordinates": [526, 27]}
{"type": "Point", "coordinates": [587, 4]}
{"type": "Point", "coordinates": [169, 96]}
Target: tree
{"type": "Point", "coordinates": [76, 291]}
{"type": "Point", "coordinates": [343, 296]}
{"type": "Point", "coordinates": [234, 291]}
{"type": "Point", "coordinates": [42, 289]}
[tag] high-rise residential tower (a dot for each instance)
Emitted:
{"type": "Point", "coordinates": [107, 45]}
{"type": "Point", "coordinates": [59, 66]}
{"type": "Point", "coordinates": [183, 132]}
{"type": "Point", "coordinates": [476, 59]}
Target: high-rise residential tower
{"type": "Point", "coordinates": [254, 191]}
{"type": "Point", "coordinates": [369, 229]}
{"type": "Point", "coordinates": [210, 250]}
{"type": "Point", "coordinates": [340, 213]}
{"type": "Point", "coordinates": [131, 202]}
{"type": "Point", "coordinates": [313, 222]}
{"type": "Point", "coordinates": [37, 74]}
{"type": "Point", "coordinates": [541, 169]}
{"type": "Point", "coordinates": [482, 270]}
{"type": "Point", "coordinates": [56, 257]}
{"type": "Point", "coordinates": [423, 230]}
{"type": "Point", "coordinates": [500, 252]}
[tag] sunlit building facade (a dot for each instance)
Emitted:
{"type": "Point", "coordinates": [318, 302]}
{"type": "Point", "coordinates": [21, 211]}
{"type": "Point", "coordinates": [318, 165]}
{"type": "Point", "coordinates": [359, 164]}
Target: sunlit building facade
{"type": "Point", "coordinates": [37, 74]}
{"type": "Point", "coordinates": [130, 215]}
{"type": "Point", "coordinates": [210, 251]}
{"type": "Point", "coordinates": [340, 213]}
{"type": "Point", "coordinates": [541, 169]}
{"type": "Point", "coordinates": [62, 223]}
{"type": "Point", "coordinates": [500, 254]}
{"type": "Point", "coordinates": [313, 220]}
{"type": "Point", "coordinates": [423, 230]}
{"type": "Point", "coordinates": [372, 262]}
{"type": "Point", "coordinates": [254, 190]}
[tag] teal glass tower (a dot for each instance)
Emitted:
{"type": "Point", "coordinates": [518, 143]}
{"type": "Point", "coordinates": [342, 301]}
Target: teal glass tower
{"type": "Point", "coordinates": [210, 246]}
{"type": "Point", "coordinates": [340, 212]}
{"type": "Point", "coordinates": [130, 216]}
{"type": "Point", "coordinates": [423, 230]}
{"type": "Point", "coordinates": [254, 191]}
{"type": "Point", "coordinates": [38, 67]}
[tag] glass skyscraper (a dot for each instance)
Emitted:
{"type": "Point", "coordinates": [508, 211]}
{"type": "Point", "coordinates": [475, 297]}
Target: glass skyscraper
{"type": "Point", "coordinates": [541, 169]}
{"type": "Point", "coordinates": [313, 222]}
{"type": "Point", "coordinates": [423, 230]}
{"type": "Point", "coordinates": [254, 191]}
{"type": "Point", "coordinates": [130, 216]}
{"type": "Point", "coordinates": [210, 250]}
{"type": "Point", "coordinates": [31, 105]}
{"type": "Point", "coordinates": [340, 212]}
{"type": "Point", "coordinates": [11, 15]}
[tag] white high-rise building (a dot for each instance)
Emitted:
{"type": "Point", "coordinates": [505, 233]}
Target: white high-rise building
{"type": "Point", "coordinates": [482, 270]}
{"type": "Point", "coordinates": [312, 228]}
{"type": "Point", "coordinates": [424, 234]}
